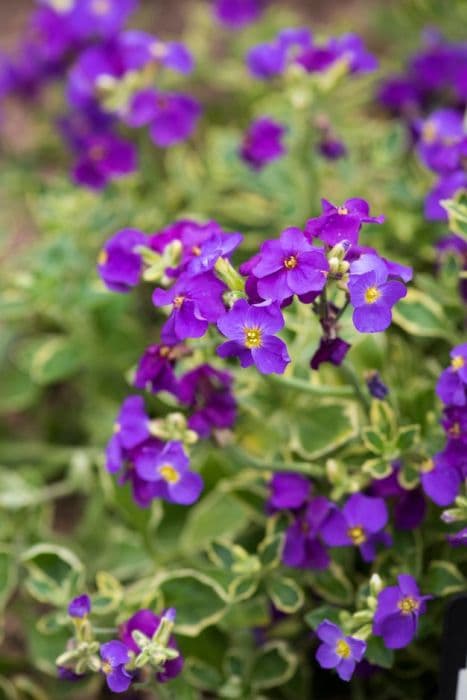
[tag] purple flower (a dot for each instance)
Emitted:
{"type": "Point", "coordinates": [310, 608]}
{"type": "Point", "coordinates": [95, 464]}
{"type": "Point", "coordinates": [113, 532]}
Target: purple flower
{"type": "Point", "coordinates": [302, 548]}
{"type": "Point", "coordinates": [454, 422]}
{"type": "Point", "coordinates": [219, 245]}
{"type": "Point", "coordinates": [169, 470]}
{"type": "Point", "coordinates": [104, 157]}
{"type": "Point", "coordinates": [271, 58]}
{"type": "Point", "coordinates": [289, 266]}
{"type": "Point", "coordinates": [147, 622]}
{"type": "Point", "coordinates": [114, 656]}
{"type": "Point", "coordinates": [361, 520]}
{"type": "Point", "coordinates": [130, 430]}
{"type": "Point", "coordinates": [262, 143]}
{"type": "Point", "coordinates": [372, 295]}
{"type": "Point", "coordinates": [338, 651]}
{"type": "Point", "coordinates": [400, 95]}
{"type": "Point", "coordinates": [171, 117]}
{"type": "Point", "coordinates": [409, 504]}
{"type": "Point", "coordinates": [376, 386]}
{"type": "Point", "coordinates": [397, 613]}
{"type": "Point", "coordinates": [331, 350]}
{"type": "Point", "coordinates": [119, 263]}
{"type": "Point", "coordinates": [156, 369]}
{"type": "Point", "coordinates": [332, 148]}
{"type": "Point", "coordinates": [251, 332]}
{"type": "Point", "coordinates": [101, 18]}
{"type": "Point", "coordinates": [80, 606]}
{"type": "Point", "coordinates": [446, 188]}
{"type": "Point", "coordinates": [288, 491]}
{"type": "Point", "coordinates": [459, 539]}
{"type": "Point", "coordinates": [443, 143]}
{"type": "Point", "coordinates": [342, 223]}
{"type": "Point", "coordinates": [452, 384]}
{"type": "Point", "coordinates": [235, 14]}
{"type": "Point", "coordinates": [196, 302]}
{"type": "Point", "coordinates": [208, 392]}
{"type": "Point", "coordinates": [442, 476]}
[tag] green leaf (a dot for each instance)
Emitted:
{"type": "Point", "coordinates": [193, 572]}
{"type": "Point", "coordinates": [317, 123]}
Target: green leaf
{"type": "Point", "coordinates": [333, 585]}
{"type": "Point", "coordinates": [420, 315]}
{"type": "Point", "coordinates": [55, 574]}
{"type": "Point", "coordinates": [109, 595]}
{"type": "Point", "coordinates": [243, 587]}
{"type": "Point", "coordinates": [376, 653]}
{"type": "Point", "coordinates": [444, 578]}
{"type": "Point", "coordinates": [286, 595]}
{"type": "Point", "coordinates": [322, 429]}
{"type": "Point", "coordinates": [377, 468]}
{"type": "Point", "coordinates": [457, 213]}
{"type": "Point", "coordinates": [408, 437]}
{"type": "Point", "coordinates": [218, 515]}
{"type": "Point", "coordinates": [374, 441]}
{"type": "Point", "coordinates": [199, 599]}
{"type": "Point", "coordinates": [324, 612]}
{"type": "Point", "coordinates": [383, 419]}
{"type": "Point", "coordinates": [201, 675]}
{"type": "Point", "coordinates": [221, 554]}
{"type": "Point", "coordinates": [52, 622]}
{"type": "Point", "coordinates": [274, 665]}
{"type": "Point", "coordinates": [51, 358]}
{"type": "Point", "coordinates": [8, 575]}
{"type": "Point", "coordinates": [408, 476]}
{"type": "Point", "coordinates": [270, 551]}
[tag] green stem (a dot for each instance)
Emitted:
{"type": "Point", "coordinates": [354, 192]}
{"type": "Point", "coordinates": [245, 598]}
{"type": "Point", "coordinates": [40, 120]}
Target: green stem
{"type": "Point", "coordinates": [308, 388]}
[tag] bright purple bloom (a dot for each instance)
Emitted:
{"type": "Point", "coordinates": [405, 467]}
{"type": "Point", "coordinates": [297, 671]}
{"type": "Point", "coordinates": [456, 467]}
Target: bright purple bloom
{"type": "Point", "coordinates": [196, 302]}
{"type": "Point", "coordinates": [338, 651]}
{"type": "Point", "coordinates": [101, 18]}
{"type": "Point", "coordinates": [454, 422]}
{"type": "Point", "coordinates": [332, 148]}
{"type": "Point", "coordinates": [400, 95]}
{"type": "Point", "coordinates": [147, 622]}
{"type": "Point", "coordinates": [80, 606]}
{"type": "Point", "coordinates": [288, 491]}
{"type": "Point", "coordinates": [337, 224]}
{"type": "Point", "coordinates": [156, 369]}
{"type": "Point", "coordinates": [262, 143]}
{"type": "Point", "coordinates": [359, 523]}
{"type": "Point", "coordinates": [331, 350]}
{"type": "Point", "coordinates": [119, 263]}
{"type": "Point", "coordinates": [348, 48]}
{"type": "Point", "coordinates": [452, 384]}
{"type": "Point", "coordinates": [409, 504]}
{"type": "Point", "coordinates": [372, 295]}
{"type": "Point", "coordinates": [114, 656]}
{"type": "Point", "coordinates": [271, 58]}
{"type": "Point", "coordinates": [251, 332]}
{"type": "Point", "coordinates": [443, 142]}
{"type": "Point", "coordinates": [236, 14]}
{"type": "Point", "coordinates": [446, 188]}
{"type": "Point", "coordinates": [303, 548]}
{"type": "Point", "coordinates": [169, 470]}
{"type": "Point", "coordinates": [442, 476]}
{"type": "Point", "coordinates": [219, 245]}
{"type": "Point", "coordinates": [208, 392]}
{"type": "Point", "coordinates": [171, 117]}
{"type": "Point", "coordinates": [459, 539]}
{"type": "Point", "coordinates": [290, 265]}
{"type": "Point", "coordinates": [398, 611]}
{"type": "Point", "coordinates": [131, 429]}
{"type": "Point", "coordinates": [104, 157]}
{"type": "Point", "coordinates": [376, 386]}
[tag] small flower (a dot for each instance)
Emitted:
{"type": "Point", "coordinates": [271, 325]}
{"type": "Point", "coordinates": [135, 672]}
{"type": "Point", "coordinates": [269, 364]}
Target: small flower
{"type": "Point", "coordinates": [372, 295]}
{"type": "Point", "coordinates": [452, 384]}
{"type": "Point", "coordinates": [331, 350]}
{"type": "Point", "coordinates": [290, 266]}
{"type": "Point", "coordinates": [119, 263]}
{"type": "Point", "coordinates": [409, 504]}
{"type": "Point", "coordinates": [168, 469]}
{"type": "Point", "coordinates": [288, 491]}
{"type": "Point", "coordinates": [196, 302]}
{"type": "Point", "coordinates": [114, 656]}
{"type": "Point", "coordinates": [332, 148]}
{"type": "Point", "coordinates": [171, 117]}
{"type": "Point", "coordinates": [131, 429]}
{"type": "Point", "coordinates": [80, 607]}
{"type": "Point", "coordinates": [459, 539]}
{"type": "Point", "coordinates": [359, 524]}
{"type": "Point", "coordinates": [219, 245]}
{"type": "Point", "coordinates": [147, 622]}
{"type": "Point", "coordinates": [442, 476]}
{"type": "Point", "coordinates": [262, 143]}
{"type": "Point", "coordinates": [342, 223]}
{"type": "Point", "coordinates": [156, 369]}
{"type": "Point", "coordinates": [338, 651]}
{"type": "Point", "coordinates": [376, 386]}
{"type": "Point", "coordinates": [104, 157]}
{"type": "Point", "coordinates": [397, 613]}
{"type": "Point", "coordinates": [251, 330]}
{"type": "Point", "coordinates": [235, 14]}
{"type": "Point", "coordinates": [208, 392]}
{"type": "Point", "coordinates": [303, 548]}
{"type": "Point", "coordinates": [443, 143]}
{"type": "Point", "coordinates": [271, 58]}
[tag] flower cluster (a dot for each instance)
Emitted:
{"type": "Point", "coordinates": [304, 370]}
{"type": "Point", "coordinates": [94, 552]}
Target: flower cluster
{"type": "Point", "coordinates": [109, 75]}
{"type": "Point", "coordinates": [145, 644]}
{"type": "Point", "coordinates": [235, 14]}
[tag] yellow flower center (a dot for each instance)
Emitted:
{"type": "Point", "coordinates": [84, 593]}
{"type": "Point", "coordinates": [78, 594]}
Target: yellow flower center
{"type": "Point", "coordinates": [357, 535]}
{"type": "Point", "coordinates": [106, 667]}
{"type": "Point", "coordinates": [252, 338]}
{"type": "Point", "coordinates": [158, 49]}
{"type": "Point", "coordinates": [342, 211]}
{"type": "Point", "coordinates": [169, 474]}
{"type": "Point", "coordinates": [455, 430]}
{"type": "Point", "coordinates": [117, 428]}
{"type": "Point", "coordinates": [196, 250]}
{"type": "Point", "coordinates": [178, 301]}
{"type": "Point", "coordinates": [342, 649]}
{"type": "Point", "coordinates": [408, 605]}
{"type": "Point", "coordinates": [96, 153]}
{"type": "Point", "coordinates": [61, 5]}
{"type": "Point", "coordinates": [291, 262]}
{"type": "Point", "coordinates": [427, 466]}
{"type": "Point", "coordinates": [457, 362]}
{"type": "Point", "coordinates": [372, 294]}
{"type": "Point", "coordinates": [102, 257]}
{"type": "Point", "coordinates": [429, 132]}
{"type": "Point", "coordinates": [101, 7]}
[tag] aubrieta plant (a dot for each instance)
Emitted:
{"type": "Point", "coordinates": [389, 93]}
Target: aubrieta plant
{"type": "Point", "coordinates": [235, 455]}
